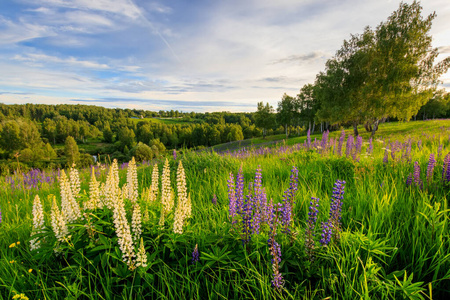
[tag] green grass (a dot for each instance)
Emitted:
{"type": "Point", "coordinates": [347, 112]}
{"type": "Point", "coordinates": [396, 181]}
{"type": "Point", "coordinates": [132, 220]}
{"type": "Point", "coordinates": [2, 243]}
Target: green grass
{"type": "Point", "coordinates": [394, 244]}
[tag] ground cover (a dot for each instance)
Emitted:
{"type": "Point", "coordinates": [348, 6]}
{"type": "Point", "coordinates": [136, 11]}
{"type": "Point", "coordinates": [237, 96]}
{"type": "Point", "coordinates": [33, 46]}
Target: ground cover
{"type": "Point", "coordinates": [383, 234]}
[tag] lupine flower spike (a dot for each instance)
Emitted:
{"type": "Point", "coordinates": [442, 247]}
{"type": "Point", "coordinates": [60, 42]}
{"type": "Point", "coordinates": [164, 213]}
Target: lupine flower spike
{"type": "Point", "coordinates": [195, 255]}
{"type": "Point", "coordinates": [38, 222]}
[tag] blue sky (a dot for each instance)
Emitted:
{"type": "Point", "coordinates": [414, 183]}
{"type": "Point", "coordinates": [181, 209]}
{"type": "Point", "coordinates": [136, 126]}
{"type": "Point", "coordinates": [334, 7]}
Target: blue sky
{"type": "Point", "coordinates": [182, 55]}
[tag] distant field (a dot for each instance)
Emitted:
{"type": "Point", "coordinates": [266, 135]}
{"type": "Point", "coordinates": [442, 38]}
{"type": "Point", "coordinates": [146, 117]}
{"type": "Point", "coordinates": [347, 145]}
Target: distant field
{"type": "Point", "coordinates": [162, 120]}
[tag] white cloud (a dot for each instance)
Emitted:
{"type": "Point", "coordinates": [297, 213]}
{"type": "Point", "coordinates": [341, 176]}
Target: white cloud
{"type": "Point", "coordinates": [45, 59]}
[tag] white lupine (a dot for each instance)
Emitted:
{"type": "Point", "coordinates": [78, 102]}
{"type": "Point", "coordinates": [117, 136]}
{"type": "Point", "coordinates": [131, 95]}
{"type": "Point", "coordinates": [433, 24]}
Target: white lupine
{"type": "Point", "coordinates": [38, 222]}
{"type": "Point", "coordinates": [58, 222]}
{"type": "Point", "coordinates": [166, 195]}
{"type": "Point", "coordinates": [124, 191]}
{"type": "Point", "coordinates": [70, 209]}
{"type": "Point", "coordinates": [112, 189]}
{"type": "Point", "coordinates": [75, 184]}
{"type": "Point", "coordinates": [183, 205]}
{"type": "Point", "coordinates": [132, 181]}
{"type": "Point", "coordinates": [141, 259]}
{"type": "Point", "coordinates": [94, 193]}
{"type": "Point", "coordinates": [123, 232]}
{"type": "Point", "coordinates": [155, 181]}
{"type": "Point", "coordinates": [136, 222]}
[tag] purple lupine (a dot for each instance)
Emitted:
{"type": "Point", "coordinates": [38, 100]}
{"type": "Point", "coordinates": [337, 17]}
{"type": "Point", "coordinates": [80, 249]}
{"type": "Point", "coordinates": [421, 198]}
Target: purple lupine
{"type": "Point", "coordinates": [386, 155]}
{"type": "Point", "coordinates": [286, 213]}
{"type": "Point", "coordinates": [324, 142]}
{"type": "Point", "coordinates": [349, 147]}
{"type": "Point", "coordinates": [275, 251]}
{"type": "Point", "coordinates": [327, 231]}
{"type": "Point", "coordinates": [293, 184]}
{"type": "Point", "coordinates": [233, 205]}
{"type": "Point", "coordinates": [417, 179]}
{"type": "Point", "coordinates": [336, 206]}
{"type": "Point", "coordinates": [409, 180]}
{"type": "Point", "coordinates": [214, 199]}
{"type": "Point", "coordinates": [370, 147]}
{"type": "Point", "coordinates": [359, 142]}
{"type": "Point", "coordinates": [430, 167]}
{"type": "Point", "coordinates": [239, 191]}
{"type": "Point", "coordinates": [341, 142]}
{"type": "Point", "coordinates": [308, 139]}
{"type": "Point", "coordinates": [311, 227]}
{"type": "Point", "coordinates": [195, 255]}
{"type": "Point", "coordinates": [247, 213]}
{"type": "Point", "coordinates": [439, 152]}
{"type": "Point", "coordinates": [446, 169]}
{"type": "Point", "coordinates": [174, 154]}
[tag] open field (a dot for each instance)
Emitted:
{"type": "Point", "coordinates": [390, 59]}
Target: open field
{"type": "Point", "coordinates": [389, 236]}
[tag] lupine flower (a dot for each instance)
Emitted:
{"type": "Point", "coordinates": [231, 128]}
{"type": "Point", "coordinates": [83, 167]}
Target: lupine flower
{"type": "Point", "coordinates": [75, 184]}
{"type": "Point", "coordinates": [275, 251]}
{"type": "Point", "coordinates": [232, 207]}
{"type": "Point", "coordinates": [111, 189]}
{"type": "Point", "coordinates": [195, 254]}
{"type": "Point", "coordinates": [247, 214]}
{"type": "Point", "coordinates": [359, 142]}
{"type": "Point", "coordinates": [174, 154]}
{"type": "Point", "coordinates": [386, 155]}
{"type": "Point", "coordinates": [430, 168]}
{"type": "Point", "coordinates": [370, 147]}
{"type": "Point", "coordinates": [69, 206]}
{"type": "Point", "coordinates": [58, 222]}
{"type": "Point", "coordinates": [123, 232]}
{"type": "Point", "coordinates": [136, 222]}
{"type": "Point", "coordinates": [336, 206]}
{"type": "Point", "coordinates": [341, 142]}
{"type": "Point", "coordinates": [141, 257]}
{"type": "Point", "coordinates": [349, 147]}
{"type": "Point", "coordinates": [324, 142]}
{"type": "Point", "coordinates": [94, 193]}
{"type": "Point", "coordinates": [38, 222]}
{"type": "Point", "coordinates": [132, 182]}
{"type": "Point", "coordinates": [214, 199]}
{"type": "Point", "coordinates": [308, 139]}
{"type": "Point", "coordinates": [311, 227]}
{"type": "Point", "coordinates": [409, 180]}
{"type": "Point", "coordinates": [183, 210]}
{"type": "Point", "coordinates": [327, 231]}
{"type": "Point", "coordinates": [439, 152]}
{"type": "Point", "coordinates": [417, 179]}
{"type": "Point", "coordinates": [446, 168]}
{"type": "Point", "coordinates": [239, 191]}
{"type": "Point", "coordinates": [155, 181]}
{"type": "Point", "coordinates": [166, 195]}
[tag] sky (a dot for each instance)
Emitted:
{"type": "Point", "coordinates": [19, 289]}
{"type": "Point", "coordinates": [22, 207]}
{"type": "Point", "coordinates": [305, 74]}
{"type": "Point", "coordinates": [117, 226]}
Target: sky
{"type": "Point", "coordinates": [182, 55]}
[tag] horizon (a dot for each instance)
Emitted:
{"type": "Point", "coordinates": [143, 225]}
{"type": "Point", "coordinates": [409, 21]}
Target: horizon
{"type": "Point", "coordinates": [196, 56]}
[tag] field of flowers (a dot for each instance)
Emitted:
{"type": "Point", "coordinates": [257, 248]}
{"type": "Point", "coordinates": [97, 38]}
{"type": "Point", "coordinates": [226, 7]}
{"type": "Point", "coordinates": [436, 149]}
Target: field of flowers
{"type": "Point", "coordinates": [324, 217]}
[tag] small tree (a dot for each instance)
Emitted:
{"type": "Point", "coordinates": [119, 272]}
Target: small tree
{"type": "Point", "coordinates": [264, 117]}
{"type": "Point", "coordinates": [71, 151]}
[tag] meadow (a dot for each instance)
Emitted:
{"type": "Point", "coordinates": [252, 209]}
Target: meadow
{"type": "Point", "coordinates": [318, 217]}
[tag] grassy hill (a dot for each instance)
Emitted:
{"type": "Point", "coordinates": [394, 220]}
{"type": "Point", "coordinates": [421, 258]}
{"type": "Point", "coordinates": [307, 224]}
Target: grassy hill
{"type": "Point", "coordinates": [389, 237]}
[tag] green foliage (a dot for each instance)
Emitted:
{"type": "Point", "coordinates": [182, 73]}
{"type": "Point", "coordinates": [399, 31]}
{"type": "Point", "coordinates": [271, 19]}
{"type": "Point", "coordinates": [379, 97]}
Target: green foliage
{"type": "Point", "coordinates": [142, 152]}
{"type": "Point", "coordinates": [264, 117]}
{"type": "Point", "coordinates": [71, 151]}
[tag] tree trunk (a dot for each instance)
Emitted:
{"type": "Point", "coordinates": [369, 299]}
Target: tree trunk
{"type": "Point", "coordinates": [375, 127]}
{"type": "Point", "coordinates": [314, 126]}
{"type": "Point", "coordinates": [355, 129]}
{"type": "Point", "coordinates": [286, 131]}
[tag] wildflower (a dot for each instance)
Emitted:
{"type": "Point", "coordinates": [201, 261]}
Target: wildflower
{"type": "Point", "coordinates": [341, 142]}
{"type": "Point", "coordinates": [430, 168]}
{"type": "Point", "coordinates": [214, 199]}
{"type": "Point", "coordinates": [69, 206]}
{"type": "Point", "coordinates": [20, 297]}
{"type": "Point", "coordinates": [275, 251]}
{"type": "Point", "coordinates": [327, 231]}
{"type": "Point", "coordinates": [123, 232]}
{"type": "Point", "coordinates": [38, 222]}
{"type": "Point", "coordinates": [30, 270]}
{"type": "Point", "coordinates": [166, 197]}
{"type": "Point", "coordinates": [336, 206]}
{"type": "Point", "coordinates": [308, 139]}
{"type": "Point", "coordinates": [141, 258]}
{"type": "Point", "coordinates": [239, 191]}
{"type": "Point", "coordinates": [132, 182]}
{"type": "Point", "coordinates": [349, 147]}
{"type": "Point", "coordinates": [75, 184]}
{"type": "Point", "coordinates": [174, 154]}
{"type": "Point", "coordinates": [136, 222]}
{"type": "Point", "coordinates": [195, 254]}
{"type": "Point", "coordinates": [58, 222]}
{"type": "Point", "coordinates": [446, 169]}
{"type": "Point", "coordinates": [409, 180]}
{"type": "Point", "coordinates": [417, 179]}
{"type": "Point", "coordinates": [386, 155]}
{"type": "Point", "coordinates": [111, 189]}
{"type": "Point", "coordinates": [232, 206]}
{"type": "Point", "coordinates": [311, 226]}
{"type": "Point", "coordinates": [155, 181]}
{"type": "Point", "coordinates": [0, 216]}
{"type": "Point", "coordinates": [94, 193]}
{"type": "Point", "coordinates": [324, 142]}
{"type": "Point", "coordinates": [12, 245]}
{"type": "Point", "coordinates": [183, 210]}
{"type": "Point", "coordinates": [12, 261]}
